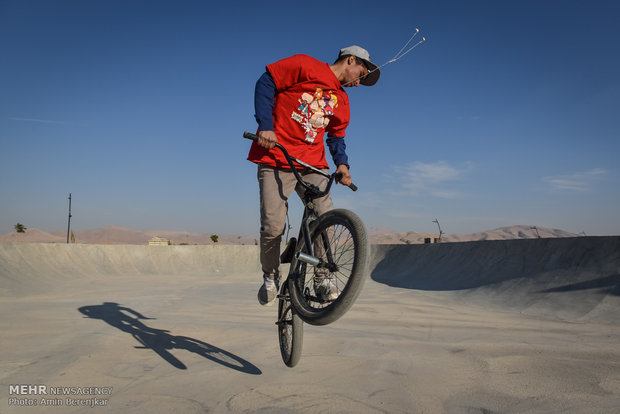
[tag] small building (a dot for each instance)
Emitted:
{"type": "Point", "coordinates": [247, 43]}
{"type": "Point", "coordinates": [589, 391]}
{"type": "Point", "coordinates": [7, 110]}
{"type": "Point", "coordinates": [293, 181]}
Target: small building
{"type": "Point", "coordinates": [158, 241]}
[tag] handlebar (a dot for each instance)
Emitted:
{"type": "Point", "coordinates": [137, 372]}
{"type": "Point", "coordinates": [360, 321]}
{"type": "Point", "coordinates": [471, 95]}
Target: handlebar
{"type": "Point", "coordinates": [291, 160]}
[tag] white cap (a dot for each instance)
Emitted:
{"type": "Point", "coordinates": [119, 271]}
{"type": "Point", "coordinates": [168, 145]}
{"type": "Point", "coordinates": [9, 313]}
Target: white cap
{"type": "Point", "coordinates": [360, 52]}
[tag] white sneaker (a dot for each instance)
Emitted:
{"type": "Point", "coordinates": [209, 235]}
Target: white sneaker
{"type": "Point", "coordinates": [326, 290]}
{"type": "Point", "coordinates": [268, 291]}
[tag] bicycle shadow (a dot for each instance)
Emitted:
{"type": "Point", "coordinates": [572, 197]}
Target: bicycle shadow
{"type": "Point", "coordinates": [161, 341]}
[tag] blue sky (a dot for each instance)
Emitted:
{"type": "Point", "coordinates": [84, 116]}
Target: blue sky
{"type": "Point", "coordinates": [507, 114]}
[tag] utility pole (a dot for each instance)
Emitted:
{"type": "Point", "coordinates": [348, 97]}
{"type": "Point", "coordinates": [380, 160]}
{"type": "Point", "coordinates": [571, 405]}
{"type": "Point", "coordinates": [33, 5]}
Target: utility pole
{"type": "Point", "coordinates": [69, 226]}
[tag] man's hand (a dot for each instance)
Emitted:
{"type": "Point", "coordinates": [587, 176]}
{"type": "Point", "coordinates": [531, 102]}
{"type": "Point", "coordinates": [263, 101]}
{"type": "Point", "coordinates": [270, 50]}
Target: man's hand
{"type": "Point", "coordinates": [267, 139]}
{"type": "Point", "coordinates": [346, 177]}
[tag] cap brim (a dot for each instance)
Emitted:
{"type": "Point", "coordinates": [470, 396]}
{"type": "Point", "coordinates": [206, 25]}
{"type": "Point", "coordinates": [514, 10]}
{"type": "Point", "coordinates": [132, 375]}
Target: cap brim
{"type": "Point", "coordinates": [373, 74]}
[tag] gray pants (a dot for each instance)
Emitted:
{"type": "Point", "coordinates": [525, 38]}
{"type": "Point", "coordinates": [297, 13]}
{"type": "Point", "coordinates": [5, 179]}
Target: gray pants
{"type": "Point", "coordinates": [276, 186]}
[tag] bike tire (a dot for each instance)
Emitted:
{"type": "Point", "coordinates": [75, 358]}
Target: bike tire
{"type": "Point", "coordinates": [290, 330]}
{"type": "Point", "coordinates": [345, 235]}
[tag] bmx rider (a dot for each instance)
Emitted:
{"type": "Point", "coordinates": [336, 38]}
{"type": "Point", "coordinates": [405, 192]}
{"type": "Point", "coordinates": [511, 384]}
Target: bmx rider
{"type": "Point", "coordinates": [297, 100]}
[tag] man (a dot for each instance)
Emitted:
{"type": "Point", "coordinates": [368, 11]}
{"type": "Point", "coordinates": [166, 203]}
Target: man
{"type": "Point", "coordinates": [296, 101]}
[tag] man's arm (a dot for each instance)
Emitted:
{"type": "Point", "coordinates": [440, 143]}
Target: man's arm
{"type": "Point", "coordinates": [337, 148]}
{"type": "Point", "coordinates": [264, 95]}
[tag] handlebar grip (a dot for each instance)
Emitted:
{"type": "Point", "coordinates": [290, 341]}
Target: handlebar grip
{"type": "Point", "coordinates": [351, 186]}
{"type": "Point", "coordinates": [250, 135]}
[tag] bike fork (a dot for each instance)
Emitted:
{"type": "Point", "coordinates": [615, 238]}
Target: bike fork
{"type": "Point", "coordinates": [281, 318]}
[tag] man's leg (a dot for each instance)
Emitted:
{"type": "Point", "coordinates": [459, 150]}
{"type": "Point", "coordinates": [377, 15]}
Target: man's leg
{"type": "Point", "coordinates": [275, 188]}
{"type": "Point", "coordinates": [322, 204]}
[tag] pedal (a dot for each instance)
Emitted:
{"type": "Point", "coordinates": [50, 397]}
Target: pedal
{"type": "Point", "coordinates": [287, 254]}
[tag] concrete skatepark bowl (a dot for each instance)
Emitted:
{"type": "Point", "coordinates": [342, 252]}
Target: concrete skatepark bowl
{"type": "Point", "coordinates": [479, 327]}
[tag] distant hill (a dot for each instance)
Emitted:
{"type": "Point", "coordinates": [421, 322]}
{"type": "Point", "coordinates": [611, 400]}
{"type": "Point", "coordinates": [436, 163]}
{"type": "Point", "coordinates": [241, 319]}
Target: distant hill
{"type": "Point", "coordinates": [33, 235]}
{"type": "Point", "coordinates": [119, 235]}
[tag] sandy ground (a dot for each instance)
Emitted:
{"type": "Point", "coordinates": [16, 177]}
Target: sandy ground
{"type": "Point", "coordinates": [182, 332]}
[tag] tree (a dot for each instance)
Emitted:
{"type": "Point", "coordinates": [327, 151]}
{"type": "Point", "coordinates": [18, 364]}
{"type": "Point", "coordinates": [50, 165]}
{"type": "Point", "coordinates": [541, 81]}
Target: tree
{"type": "Point", "coordinates": [20, 228]}
{"type": "Point", "coordinates": [214, 238]}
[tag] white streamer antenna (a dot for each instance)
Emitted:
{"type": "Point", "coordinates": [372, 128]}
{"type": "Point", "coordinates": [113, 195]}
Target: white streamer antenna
{"type": "Point", "coordinates": [402, 52]}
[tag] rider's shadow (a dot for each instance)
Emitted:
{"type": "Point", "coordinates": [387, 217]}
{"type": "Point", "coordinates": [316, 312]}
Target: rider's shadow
{"type": "Point", "coordinates": [160, 341]}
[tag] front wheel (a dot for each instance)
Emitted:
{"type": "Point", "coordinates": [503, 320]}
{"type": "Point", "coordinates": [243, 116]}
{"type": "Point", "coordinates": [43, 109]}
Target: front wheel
{"type": "Point", "coordinates": [340, 242]}
{"type": "Point", "coordinates": [290, 330]}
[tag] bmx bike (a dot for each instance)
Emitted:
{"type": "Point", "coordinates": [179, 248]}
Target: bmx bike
{"type": "Point", "coordinates": [331, 246]}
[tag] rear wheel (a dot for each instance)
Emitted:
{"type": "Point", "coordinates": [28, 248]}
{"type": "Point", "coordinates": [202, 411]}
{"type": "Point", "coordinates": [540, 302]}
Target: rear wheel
{"type": "Point", "coordinates": [290, 330]}
{"type": "Point", "coordinates": [340, 242]}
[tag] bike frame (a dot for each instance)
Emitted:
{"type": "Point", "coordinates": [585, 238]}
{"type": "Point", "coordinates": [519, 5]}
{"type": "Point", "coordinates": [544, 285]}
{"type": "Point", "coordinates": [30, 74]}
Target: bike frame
{"type": "Point", "coordinates": [311, 192]}
{"type": "Point", "coordinates": [294, 295]}
{"type": "Point", "coordinates": [305, 253]}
